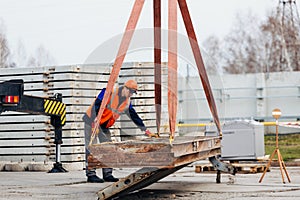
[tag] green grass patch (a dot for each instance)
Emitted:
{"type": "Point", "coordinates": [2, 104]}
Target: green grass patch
{"type": "Point", "coordinates": [289, 146]}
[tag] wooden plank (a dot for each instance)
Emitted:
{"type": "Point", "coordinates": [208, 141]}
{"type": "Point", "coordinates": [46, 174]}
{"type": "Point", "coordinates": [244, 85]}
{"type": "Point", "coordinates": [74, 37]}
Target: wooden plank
{"type": "Point", "coordinates": [242, 168]}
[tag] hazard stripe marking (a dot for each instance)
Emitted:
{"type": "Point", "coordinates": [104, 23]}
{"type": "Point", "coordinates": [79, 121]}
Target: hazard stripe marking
{"type": "Point", "coordinates": [53, 105]}
{"type": "Point", "coordinates": [56, 108]}
{"type": "Point", "coordinates": [47, 108]}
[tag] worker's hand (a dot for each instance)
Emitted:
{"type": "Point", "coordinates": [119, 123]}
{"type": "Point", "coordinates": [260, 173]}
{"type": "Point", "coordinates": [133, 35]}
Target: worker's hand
{"type": "Point", "coordinates": [150, 135]}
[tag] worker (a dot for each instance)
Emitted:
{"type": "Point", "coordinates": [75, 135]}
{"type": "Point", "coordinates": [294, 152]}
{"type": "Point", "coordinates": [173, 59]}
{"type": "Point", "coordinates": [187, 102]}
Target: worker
{"type": "Point", "coordinates": [119, 102]}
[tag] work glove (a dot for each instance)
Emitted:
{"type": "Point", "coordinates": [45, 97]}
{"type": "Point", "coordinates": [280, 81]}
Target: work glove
{"type": "Point", "coordinates": [150, 135]}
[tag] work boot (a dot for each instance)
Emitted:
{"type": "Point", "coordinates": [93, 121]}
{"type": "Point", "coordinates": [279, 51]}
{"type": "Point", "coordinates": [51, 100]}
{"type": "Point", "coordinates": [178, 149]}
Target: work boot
{"type": "Point", "coordinates": [110, 179]}
{"type": "Point", "coordinates": [94, 179]}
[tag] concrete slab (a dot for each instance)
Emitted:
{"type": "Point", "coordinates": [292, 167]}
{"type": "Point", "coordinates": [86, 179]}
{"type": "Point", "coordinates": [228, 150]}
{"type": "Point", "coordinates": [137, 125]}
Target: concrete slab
{"type": "Point", "coordinates": [184, 184]}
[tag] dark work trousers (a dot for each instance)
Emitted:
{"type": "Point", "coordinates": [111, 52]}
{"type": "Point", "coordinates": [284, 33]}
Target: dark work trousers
{"type": "Point", "coordinates": [103, 136]}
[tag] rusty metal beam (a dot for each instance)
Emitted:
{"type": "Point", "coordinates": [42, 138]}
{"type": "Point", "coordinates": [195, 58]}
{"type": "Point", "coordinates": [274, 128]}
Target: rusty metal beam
{"type": "Point", "coordinates": [199, 61]}
{"type": "Point", "coordinates": [157, 60]}
{"type": "Point", "coordinates": [172, 66]}
{"type": "Point", "coordinates": [153, 152]}
{"type": "Point", "coordinates": [130, 28]}
{"type": "Point", "coordinates": [135, 181]}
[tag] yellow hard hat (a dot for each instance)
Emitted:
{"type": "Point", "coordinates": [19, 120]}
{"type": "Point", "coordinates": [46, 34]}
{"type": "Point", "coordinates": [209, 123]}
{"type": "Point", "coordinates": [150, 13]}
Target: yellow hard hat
{"type": "Point", "coordinates": [131, 84]}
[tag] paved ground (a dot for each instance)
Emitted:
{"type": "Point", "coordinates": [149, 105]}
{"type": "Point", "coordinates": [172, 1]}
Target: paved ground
{"type": "Point", "coordinates": [184, 184]}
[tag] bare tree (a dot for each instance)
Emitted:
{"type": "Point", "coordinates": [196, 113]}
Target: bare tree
{"type": "Point", "coordinates": [41, 58]}
{"type": "Point", "coordinates": [212, 48]}
{"type": "Point", "coordinates": [283, 39]}
{"type": "Point", "coordinates": [4, 49]}
{"type": "Point", "coordinates": [260, 46]}
{"type": "Point", "coordinates": [20, 56]}
{"type": "Point", "coordinates": [243, 52]}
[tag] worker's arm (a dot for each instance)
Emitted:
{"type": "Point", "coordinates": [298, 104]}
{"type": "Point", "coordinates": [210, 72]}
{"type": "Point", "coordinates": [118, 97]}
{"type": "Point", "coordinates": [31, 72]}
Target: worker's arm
{"type": "Point", "coordinates": [98, 100]}
{"type": "Point", "coordinates": [135, 118]}
{"type": "Point", "coordinates": [138, 121]}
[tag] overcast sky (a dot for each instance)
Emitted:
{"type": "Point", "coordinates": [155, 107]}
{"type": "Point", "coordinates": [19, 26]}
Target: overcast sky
{"type": "Point", "coordinates": [72, 29]}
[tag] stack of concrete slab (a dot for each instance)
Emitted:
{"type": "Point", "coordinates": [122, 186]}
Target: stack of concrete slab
{"type": "Point", "coordinates": [27, 138]}
{"type": "Point", "coordinates": [143, 101]}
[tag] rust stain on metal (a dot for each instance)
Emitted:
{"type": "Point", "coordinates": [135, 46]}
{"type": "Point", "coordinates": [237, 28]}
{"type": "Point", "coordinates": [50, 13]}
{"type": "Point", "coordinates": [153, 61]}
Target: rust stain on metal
{"type": "Point", "coordinates": [153, 153]}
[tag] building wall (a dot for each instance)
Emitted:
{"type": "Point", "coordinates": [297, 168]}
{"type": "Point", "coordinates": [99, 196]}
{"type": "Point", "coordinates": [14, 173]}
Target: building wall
{"type": "Point", "coordinates": [242, 96]}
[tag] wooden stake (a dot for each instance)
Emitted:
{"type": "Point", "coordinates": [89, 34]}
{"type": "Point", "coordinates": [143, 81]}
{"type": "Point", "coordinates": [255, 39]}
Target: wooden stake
{"type": "Point", "coordinates": [280, 160]}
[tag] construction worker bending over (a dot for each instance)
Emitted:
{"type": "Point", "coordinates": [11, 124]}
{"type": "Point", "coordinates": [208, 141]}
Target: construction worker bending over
{"type": "Point", "coordinates": [119, 102]}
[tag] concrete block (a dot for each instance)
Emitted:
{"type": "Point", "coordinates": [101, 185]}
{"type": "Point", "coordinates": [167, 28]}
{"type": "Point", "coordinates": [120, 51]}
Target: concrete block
{"type": "Point", "coordinates": [15, 167]}
{"type": "Point", "coordinates": [2, 164]}
{"type": "Point", "coordinates": [40, 167]}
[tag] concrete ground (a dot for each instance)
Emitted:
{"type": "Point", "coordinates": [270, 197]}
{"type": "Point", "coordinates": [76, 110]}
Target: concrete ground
{"type": "Point", "coordinates": [184, 184]}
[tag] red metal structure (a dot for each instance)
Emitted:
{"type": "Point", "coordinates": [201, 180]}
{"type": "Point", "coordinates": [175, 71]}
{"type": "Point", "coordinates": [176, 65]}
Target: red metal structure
{"type": "Point", "coordinates": [172, 60]}
{"type": "Point", "coordinates": [158, 157]}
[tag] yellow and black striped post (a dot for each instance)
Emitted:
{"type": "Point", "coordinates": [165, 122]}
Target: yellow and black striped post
{"type": "Point", "coordinates": [54, 107]}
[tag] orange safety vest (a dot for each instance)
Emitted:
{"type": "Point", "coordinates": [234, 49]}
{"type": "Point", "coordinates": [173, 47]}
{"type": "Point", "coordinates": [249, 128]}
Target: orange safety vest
{"type": "Point", "coordinates": [112, 110]}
